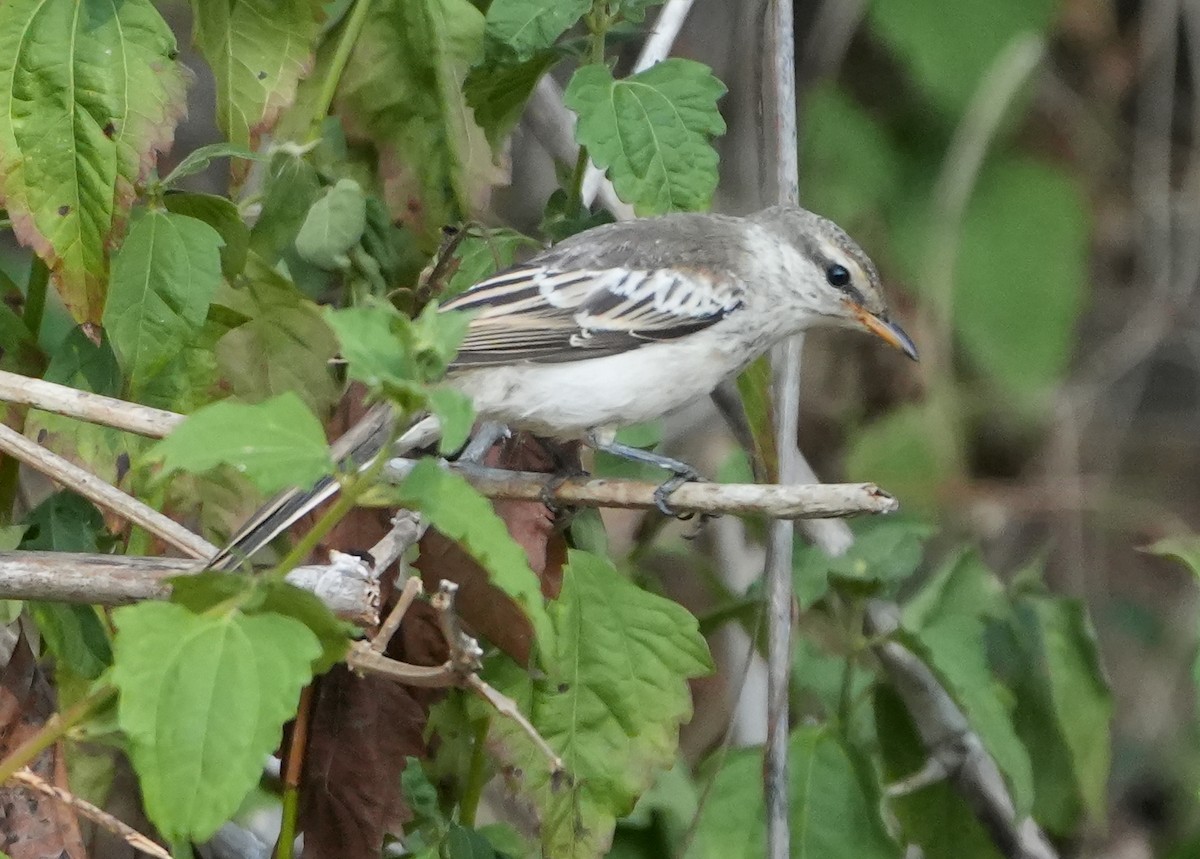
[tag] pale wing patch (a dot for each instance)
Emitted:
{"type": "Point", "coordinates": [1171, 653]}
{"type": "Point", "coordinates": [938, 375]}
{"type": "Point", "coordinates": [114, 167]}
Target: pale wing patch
{"type": "Point", "coordinates": [540, 314]}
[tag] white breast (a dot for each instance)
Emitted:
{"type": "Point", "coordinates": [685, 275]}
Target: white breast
{"type": "Point", "coordinates": [565, 400]}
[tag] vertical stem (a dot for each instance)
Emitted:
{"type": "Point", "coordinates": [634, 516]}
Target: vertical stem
{"type": "Point", "coordinates": [293, 769]}
{"type": "Point", "coordinates": [35, 296]}
{"type": "Point", "coordinates": [598, 21]}
{"type": "Point", "coordinates": [476, 776]}
{"type": "Point", "coordinates": [786, 362]}
{"type": "Point", "coordinates": [333, 76]}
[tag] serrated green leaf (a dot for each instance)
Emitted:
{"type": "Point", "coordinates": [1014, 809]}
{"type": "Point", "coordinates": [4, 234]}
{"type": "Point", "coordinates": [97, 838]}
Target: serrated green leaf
{"type": "Point", "coordinates": [258, 51]}
{"type": "Point", "coordinates": [403, 87]}
{"type": "Point", "coordinates": [651, 132]}
{"type": "Point", "coordinates": [479, 257]}
{"type": "Point", "coordinates": [89, 94]}
{"type": "Point", "coordinates": [75, 635]}
{"type": "Point", "coordinates": [498, 90]}
{"type": "Point", "coordinates": [203, 699]}
{"type": "Point", "coordinates": [830, 812]}
{"type": "Point", "coordinates": [452, 506]}
{"type": "Point", "coordinates": [276, 443]}
{"type": "Point", "coordinates": [334, 225]}
{"type": "Point", "coordinates": [1023, 244]}
{"type": "Point", "coordinates": [559, 222]}
{"type": "Point", "coordinates": [525, 27]}
{"type": "Point", "coordinates": [222, 215]}
{"type": "Point", "coordinates": [372, 350]}
{"type": "Point", "coordinates": [610, 705]}
{"type": "Point", "coordinates": [285, 345]}
{"type": "Point", "coordinates": [163, 279]}
{"type": "Point", "coordinates": [948, 54]}
{"type": "Point", "coordinates": [198, 159]}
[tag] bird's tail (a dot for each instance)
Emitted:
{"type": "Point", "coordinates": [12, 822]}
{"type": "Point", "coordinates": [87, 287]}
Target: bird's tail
{"type": "Point", "coordinates": [353, 451]}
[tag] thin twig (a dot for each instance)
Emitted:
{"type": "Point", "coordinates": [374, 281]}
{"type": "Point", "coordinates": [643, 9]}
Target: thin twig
{"type": "Point", "coordinates": [785, 364]}
{"type": "Point", "coordinates": [102, 494]}
{"type": "Point", "coordinates": [344, 585]}
{"type": "Point", "coordinates": [29, 779]}
{"type": "Point", "coordinates": [412, 590]}
{"type": "Point", "coordinates": [85, 406]}
{"type": "Point", "coordinates": [742, 499]}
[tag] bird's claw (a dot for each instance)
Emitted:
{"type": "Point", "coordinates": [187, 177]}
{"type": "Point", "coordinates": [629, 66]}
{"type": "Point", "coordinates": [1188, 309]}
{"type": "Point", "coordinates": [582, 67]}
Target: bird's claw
{"type": "Point", "coordinates": [668, 486]}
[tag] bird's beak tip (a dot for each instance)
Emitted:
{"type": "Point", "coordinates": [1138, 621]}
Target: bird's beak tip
{"type": "Point", "coordinates": [888, 331]}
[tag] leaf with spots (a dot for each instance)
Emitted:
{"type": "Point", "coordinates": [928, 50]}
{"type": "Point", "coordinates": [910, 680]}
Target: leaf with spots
{"type": "Point", "coordinates": [89, 94]}
{"type": "Point", "coordinates": [610, 705]}
{"type": "Point", "coordinates": [258, 51]}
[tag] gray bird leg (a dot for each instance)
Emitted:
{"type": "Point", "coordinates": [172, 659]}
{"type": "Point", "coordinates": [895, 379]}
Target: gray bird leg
{"type": "Point", "coordinates": [683, 473]}
{"type": "Point", "coordinates": [488, 434]}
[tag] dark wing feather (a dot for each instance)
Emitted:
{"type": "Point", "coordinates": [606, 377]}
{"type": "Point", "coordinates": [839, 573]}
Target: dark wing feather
{"type": "Point", "coordinates": [540, 314]}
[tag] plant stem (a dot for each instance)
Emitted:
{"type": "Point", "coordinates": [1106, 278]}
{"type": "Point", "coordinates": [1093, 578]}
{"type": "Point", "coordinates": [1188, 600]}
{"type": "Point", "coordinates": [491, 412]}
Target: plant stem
{"type": "Point", "coordinates": [285, 846]}
{"type": "Point", "coordinates": [56, 726]}
{"type": "Point", "coordinates": [354, 25]}
{"type": "Point", "coordinates": [293, 771]}
{"type": "Point", "coordinates": [476, 775]}
{"type": "Point", "coordinates": [598, 22]}
{"type": "Point", "coordinates": [35, 296]}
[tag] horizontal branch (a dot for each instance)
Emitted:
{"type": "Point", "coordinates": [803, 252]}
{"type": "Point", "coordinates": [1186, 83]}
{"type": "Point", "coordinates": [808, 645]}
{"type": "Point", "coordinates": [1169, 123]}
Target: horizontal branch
{"type": "Point", "coordinates": [122, 579]}
{"type": "Point", "coordinates": [86, 406]}
{"type": "Point", "coordinates": [778, 502]}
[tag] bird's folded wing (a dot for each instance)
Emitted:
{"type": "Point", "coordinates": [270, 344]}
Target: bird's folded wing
{"type": "Point", "coordinates": [543, 315]}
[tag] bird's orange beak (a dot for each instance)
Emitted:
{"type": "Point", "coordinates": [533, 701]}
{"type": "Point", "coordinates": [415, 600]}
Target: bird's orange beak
{"type": "Point", "coordinates": [887, 331]}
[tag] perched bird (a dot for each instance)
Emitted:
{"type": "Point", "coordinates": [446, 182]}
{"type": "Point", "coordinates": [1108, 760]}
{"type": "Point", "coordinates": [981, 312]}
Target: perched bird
{"type": "Point", "coordinates": [626, 322]}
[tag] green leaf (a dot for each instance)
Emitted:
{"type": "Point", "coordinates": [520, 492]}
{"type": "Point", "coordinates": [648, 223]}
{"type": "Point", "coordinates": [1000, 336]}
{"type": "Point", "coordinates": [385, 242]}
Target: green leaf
{"type": "Point", "coordinates": [200, 592]}
{"type": "Point", "coordinates": [276, 443]}
{"type": "Point", "coordinates": [334, 225]}
{"type": "Point", "coordinates": [1066, 702]}
{"type": "Point", "coordinates": [479, 257]}
{"type": "Point", "coordinates": [285, 346]}
{"type": "Point", "coordinates": [222, 215]}
{"type": "Point", "coordinates": [464, 843]}
{"type": "Point", "coordinates": [1185, 549]}
{"type": "Point", "coordinates": [898, 451]}
{"type": "Point", "coordinates": [935, 817]}
{"type": "Point", "coordinates": [851, 169]}
{"type": "Point", "coordinates": [163, 280]}
{"type": "Point", "coordinates": [81, 363]}
{"type": "Point", "coordinates": [1023, 244]}
{"type": "Point", "coordinates": [559, 222]}
{"type": "Point", "coordinates": [203, 699]}
{"type": "Point", "coordinates": [610, 704]}
{"type": "Point", "coordinates": [258, 51]}
{"type": "Point", "coordinates": [951, 637]}
{"type": "Point", "coordinates": [89, 94]}
{"type": "Point", "coordinates": [403, 87]}
{"type": "Point", "coordinates": [948, 54]}
{"type": "Point", "coordinates": [198, 159]}
{"type": "Point", "coordinates": [64, 522]}
{"type": "Point", "coordinates": [450, 504]}
{"type": "Point", "coordinates": [830, 814]}
{"type": "Point", "coordinates": [289, 190]}
{"type": "Point", "coordinates": [498, 90]}
{"type": "Point", "coordinates": [651, 132]}
{"type": "Point", "coordinates": [525, 27]}
{"type": "Point", "coordinates": [75, 635]}
{"type": "Point", "coordinates": [456, 412]}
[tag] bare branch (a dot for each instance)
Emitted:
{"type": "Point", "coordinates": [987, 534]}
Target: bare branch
{"type": "Point", "coordinates": [31, 780]}
{"type": "Point", "coordinates": [85, 406]}
{"type": "Point", "coordinates": [98, 492]}
{"type": "Point", "coordinates": [774, 501]}
{"type": "Point", "coordinates": [122, 579]}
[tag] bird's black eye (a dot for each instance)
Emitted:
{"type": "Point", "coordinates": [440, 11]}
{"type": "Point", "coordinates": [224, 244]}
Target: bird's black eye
{"type": "Point", "coordinates": [838, 276]}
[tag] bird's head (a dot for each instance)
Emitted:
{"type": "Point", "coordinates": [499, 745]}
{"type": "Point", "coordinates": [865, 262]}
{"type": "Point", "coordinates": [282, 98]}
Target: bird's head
{"type": "Point", "coordinates": [836, 280]}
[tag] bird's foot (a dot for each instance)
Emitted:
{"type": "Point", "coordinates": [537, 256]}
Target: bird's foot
{"type": "Point", "coordinates": [668, 486]}
{"type": "Point", "coordinates": [550, 489]}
